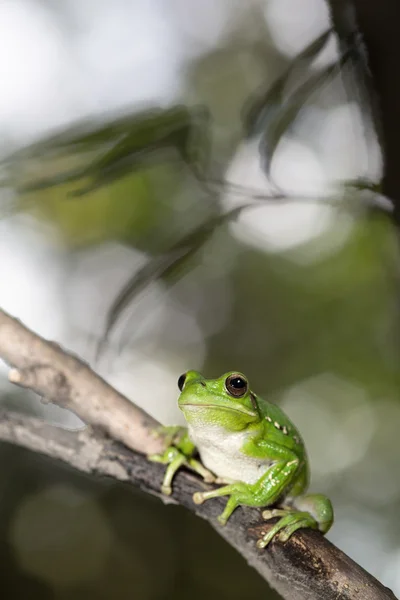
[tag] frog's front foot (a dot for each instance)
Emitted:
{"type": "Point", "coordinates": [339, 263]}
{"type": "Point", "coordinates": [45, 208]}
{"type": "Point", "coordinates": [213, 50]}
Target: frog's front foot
{"type": "Point", "coordinates": [238, 494]}
{"type": "Point", "coordinates": [201, 470]}
{"type": "Point", "coordinates": [198, 498]}
{"type": "Point", "coordinates": [174, 459]}
{"type": "Point", "coordinates": [222, 520]}
{"type": "Point", "coordinates": [178, 452]}
{"type": "Point", "coordinates": [166, 490]}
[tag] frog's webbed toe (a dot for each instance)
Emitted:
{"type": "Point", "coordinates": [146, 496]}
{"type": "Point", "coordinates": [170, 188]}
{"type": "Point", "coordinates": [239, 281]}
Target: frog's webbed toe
{"type": "Point", "coordinates": [286, 526]}
{"type": "Point", "coordinates": [201, 470]}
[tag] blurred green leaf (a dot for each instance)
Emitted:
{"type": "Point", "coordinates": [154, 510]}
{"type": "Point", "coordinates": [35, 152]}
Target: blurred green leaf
{"type": "Point", "coordinates": [362, 184]}
{"type": "Point", "coordinates": [121, 167]}
{"type": "Point", "coordinates": [129, 211]}
{"type": "Point", "coordinates": [179, 128]}
{"type": "Point", "coordinates": [376, 202]}
{"type": "Point", "coordinates": [264, 107]}
{"type": "Point", "coordinates": [119, 148]}
{"type": "Point", "coordinates": [284, 118]}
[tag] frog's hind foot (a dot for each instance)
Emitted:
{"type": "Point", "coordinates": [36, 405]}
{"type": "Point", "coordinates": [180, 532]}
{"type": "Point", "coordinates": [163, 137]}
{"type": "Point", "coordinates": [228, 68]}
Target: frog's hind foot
{"type": "Point", "coordinates": [313, 511]}
{"type": "Point", "coordinates": [286, 526]}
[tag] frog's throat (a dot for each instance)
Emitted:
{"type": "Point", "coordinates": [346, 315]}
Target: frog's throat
{"type": "Point", "coordinates": [236, 408]}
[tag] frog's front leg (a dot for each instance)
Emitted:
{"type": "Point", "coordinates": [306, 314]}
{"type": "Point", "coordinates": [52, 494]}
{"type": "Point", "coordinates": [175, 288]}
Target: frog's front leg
{"type": "Point", "coordinates": [179, 452]}
{"type": "Point", "coordinates": [174, 459]}
{"type": "Point", "coordinates": [313, 511]}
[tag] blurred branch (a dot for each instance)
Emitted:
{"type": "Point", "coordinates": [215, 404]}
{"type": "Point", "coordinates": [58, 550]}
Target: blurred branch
{"type": "Point", "coordinates": [60, 377]}
{"type": "Point", "coordinates": [358, 81]}
{"type": "Point", "coordinates": [306, 567]}
{"type": "Point", "coordinates": [378, 24]}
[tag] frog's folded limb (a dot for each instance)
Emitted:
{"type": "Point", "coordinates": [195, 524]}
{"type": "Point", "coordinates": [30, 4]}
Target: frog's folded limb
{"type": "Point", "coordinates": [264, 492]}
{"type": "Point", "coordinates": [313, 511]}
{"type": "Point", "coordinates": [174, 459]}
{"type": "Point", "coordinates": [319, 507]}
{"type": "Point", "coordinates": [179, 453]}
{"type": "Point", "coordinates": [200, 469]}
{"type": "Point", "coordinates": [287, 525]}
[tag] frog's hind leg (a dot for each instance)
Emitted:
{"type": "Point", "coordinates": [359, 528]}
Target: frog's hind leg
{"type": "Point", "coordinates": [319, 507]}
{"type": "Point", "coordinates": [286, 526]}
{"type": "Point", "coordinates": [313, 511]}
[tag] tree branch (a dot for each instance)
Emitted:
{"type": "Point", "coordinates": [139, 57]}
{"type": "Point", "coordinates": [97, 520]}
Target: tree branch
{"type": "Point", "coordinates": [62, 378]}
{"type": "Point", "coordinates": [307, 567]}
{"type": "Point", "coordinates": [379, 25]}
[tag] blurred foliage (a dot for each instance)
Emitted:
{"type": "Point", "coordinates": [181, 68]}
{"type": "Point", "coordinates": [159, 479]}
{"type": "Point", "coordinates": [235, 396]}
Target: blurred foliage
{"type": "Point", "coordinates": [120, 169]}
{"type": "Point", "coordinates": [123, 153]}
{"type": "Point", "coordinates": [259, 113]}
{"type": "Point", "coordinates": [117, 149]}
{"type": "Point", "coordinates": [339, 308]}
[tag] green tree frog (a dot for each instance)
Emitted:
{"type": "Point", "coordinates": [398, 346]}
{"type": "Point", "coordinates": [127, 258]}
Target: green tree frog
{"type": "Point", "coordinates": [251, 447]}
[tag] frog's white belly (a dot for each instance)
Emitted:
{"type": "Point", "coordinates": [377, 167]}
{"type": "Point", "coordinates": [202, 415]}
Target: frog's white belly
{"type": "Point", "coordinates": [221, 452]}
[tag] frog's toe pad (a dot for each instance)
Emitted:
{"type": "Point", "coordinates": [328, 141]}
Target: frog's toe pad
{"type": "Point", "coordinates": [224, 480]}
{"type": "Point", "coordinates": [155, 457]}
{"type": "Point", "coordinates": [274, 512]}
{"type": "Point", "coordinates": [166, 490]}
{"type": "Point", "coordinates": [265, 541]}
{"type": "Point", "coordinates": [288, 531]}
{"type": "Point", "coordinates": [198, 498]}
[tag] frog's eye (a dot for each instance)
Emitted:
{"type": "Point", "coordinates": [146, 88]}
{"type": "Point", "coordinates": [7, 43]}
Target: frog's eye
{"type": "Point", "coordinates": [181, 381]}
{"type": "Point", "coordinates": [236, 385]}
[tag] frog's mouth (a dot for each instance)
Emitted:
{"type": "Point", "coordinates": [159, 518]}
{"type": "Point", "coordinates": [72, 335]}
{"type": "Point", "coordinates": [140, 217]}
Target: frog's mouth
{"type": "Point", "coordinates": [235, 408]}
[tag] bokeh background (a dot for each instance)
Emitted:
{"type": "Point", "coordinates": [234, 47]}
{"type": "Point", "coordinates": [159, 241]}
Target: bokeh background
{"type": "Point", "coordinates": [299, 294]}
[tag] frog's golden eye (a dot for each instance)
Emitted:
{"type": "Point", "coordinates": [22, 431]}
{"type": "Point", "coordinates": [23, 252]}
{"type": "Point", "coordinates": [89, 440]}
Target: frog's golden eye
{"type": "Point", "coordinates": [181, 381]}
{"type": "Point", "coordinates": [236, 385]}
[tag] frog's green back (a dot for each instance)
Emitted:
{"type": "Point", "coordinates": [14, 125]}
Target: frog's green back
{"type": "Point", "coordinates": [280, 429]}
{"type": "Point", "coordinates": [275, 416]}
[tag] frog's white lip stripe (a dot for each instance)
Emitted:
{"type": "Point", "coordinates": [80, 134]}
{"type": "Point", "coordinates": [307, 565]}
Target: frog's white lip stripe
{"type": "Point", "coordinates": [242, 410]}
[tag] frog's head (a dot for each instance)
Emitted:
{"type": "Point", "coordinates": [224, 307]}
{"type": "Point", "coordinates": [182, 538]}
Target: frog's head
{"type": "Point", "coordinates": [226, 401]}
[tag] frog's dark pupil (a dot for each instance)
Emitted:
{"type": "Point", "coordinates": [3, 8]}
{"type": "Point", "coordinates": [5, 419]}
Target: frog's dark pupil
{"type": "Point", "coordinates": [181, 381]}
{"type": "Point", "coordinates": [238, 383]}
